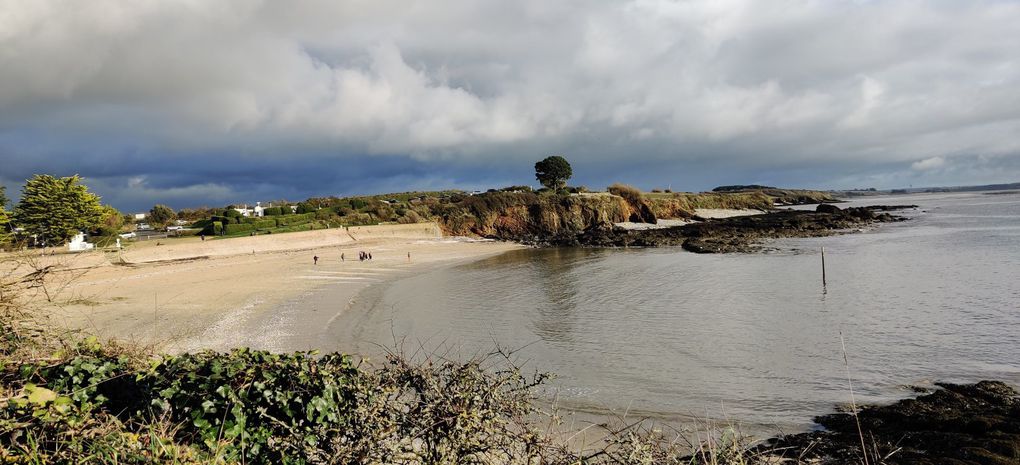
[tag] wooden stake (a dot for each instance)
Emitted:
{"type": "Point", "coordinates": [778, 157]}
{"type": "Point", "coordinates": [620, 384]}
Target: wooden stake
{"type": "Point", "coordinates": [823, 266]}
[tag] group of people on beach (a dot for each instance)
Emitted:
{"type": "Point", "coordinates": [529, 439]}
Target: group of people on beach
{"type": "Point", "coordinates": [362, 255]}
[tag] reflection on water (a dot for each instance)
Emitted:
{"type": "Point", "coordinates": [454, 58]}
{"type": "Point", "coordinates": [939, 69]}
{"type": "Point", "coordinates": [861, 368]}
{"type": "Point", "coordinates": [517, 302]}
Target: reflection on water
{"type": "Point", "coordinates": [671, 334]}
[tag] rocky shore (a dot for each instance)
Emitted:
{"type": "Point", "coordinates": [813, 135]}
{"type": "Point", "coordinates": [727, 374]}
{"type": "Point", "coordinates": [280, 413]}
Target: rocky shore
{"type": "Point", "coordinates": [736, 234]}
{"type": "Point", "coordinates": [969, 424]}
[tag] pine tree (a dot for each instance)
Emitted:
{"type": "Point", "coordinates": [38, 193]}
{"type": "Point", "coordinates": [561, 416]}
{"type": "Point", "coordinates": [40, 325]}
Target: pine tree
{"type": "Point", "coordinates": [55, 209]}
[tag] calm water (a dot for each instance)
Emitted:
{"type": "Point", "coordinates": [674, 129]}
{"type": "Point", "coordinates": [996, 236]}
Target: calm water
{"type": "Point", "coordinates": [670, 334]}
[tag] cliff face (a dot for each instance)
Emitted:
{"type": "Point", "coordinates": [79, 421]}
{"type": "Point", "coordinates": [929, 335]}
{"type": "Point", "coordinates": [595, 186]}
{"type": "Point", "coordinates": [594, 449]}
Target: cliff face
{"type": "Point", "coordinates": [562, 219]}
{"type": "Point", "coordinates": [532, 218]}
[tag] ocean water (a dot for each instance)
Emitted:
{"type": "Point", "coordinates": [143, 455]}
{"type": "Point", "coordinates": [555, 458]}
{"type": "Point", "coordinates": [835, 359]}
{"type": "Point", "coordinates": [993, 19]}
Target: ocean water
{"type": "Point", "coordinates": [752, 338]}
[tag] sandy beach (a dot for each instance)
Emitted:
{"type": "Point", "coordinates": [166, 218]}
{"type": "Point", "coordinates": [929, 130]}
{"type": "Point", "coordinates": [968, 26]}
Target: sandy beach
{"type": "Point", "coordinates": [188, 294]}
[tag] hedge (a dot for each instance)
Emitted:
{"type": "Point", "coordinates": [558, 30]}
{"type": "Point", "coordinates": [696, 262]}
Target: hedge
{"type": "Point", "coordinates": [296, 228]}
{"type": "Point", "coordinates": [214, 229]}
{"type": "Point", "coordinates": [238, 228]}
{"type": "Point", "coordinates": [265, 224]}
{"type": "Point", "coordinates": [272, 211]}
{"type": "Point", "coordinates": [290, 220]}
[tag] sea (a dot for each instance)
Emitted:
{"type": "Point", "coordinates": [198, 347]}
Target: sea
{"type": "Point", "coordinates": [753, 339]}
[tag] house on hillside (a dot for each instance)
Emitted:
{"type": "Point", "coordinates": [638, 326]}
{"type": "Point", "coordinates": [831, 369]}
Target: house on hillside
{"type": "Point", "coordinates": [140, 216]}
{"type": "Point", "coordinates": [246, 212]}
{"type": "Point", "coordinates": [258, 210]}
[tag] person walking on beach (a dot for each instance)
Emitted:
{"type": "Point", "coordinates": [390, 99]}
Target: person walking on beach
{"type": "Point", "coordinates": [315, 260]}
{"type": "Point", "coordinates": [342, 258]}
{"type": "Point", "coordinates": [370, 255]}
{"type": "Point", "coordinates": [409, 257]}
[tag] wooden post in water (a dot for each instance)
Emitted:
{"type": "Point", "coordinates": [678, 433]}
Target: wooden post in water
{"type": "Point", "coordinates": [823, 266]}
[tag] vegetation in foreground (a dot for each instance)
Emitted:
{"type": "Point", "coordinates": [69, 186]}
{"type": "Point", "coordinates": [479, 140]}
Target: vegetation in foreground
{"type": "Point", "coordinates": [90, 403]}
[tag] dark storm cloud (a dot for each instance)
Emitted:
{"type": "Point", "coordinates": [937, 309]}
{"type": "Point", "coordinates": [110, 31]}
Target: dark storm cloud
{"type": "Point", "coordinates": [191, 103]}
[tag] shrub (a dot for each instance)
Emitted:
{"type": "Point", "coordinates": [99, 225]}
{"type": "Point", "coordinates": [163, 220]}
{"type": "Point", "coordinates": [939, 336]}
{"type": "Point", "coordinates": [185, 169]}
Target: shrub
{"type": "Point", "coordinates": [265, 224]}
{"type": "Point", "coordinates": [358, 204]}
{"type": "Point", "coordinates": [272, 211]}
{"type": "Point", "coordinates": [631, 193]}
{"type": "Point", "coordinates": [238, 228]}
{"type": "Point", "coordinates": [214, 228]}
{"type": "Point", "coordinates": [290, 220]}
{"type": "Point", "coordinates": [516, 189]}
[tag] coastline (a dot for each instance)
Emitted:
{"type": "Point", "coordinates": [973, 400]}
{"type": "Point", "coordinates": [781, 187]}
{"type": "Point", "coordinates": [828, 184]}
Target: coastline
{"type": "Point", "coordinates": [191, 295]}
{"type": "Point", "coordinates": [308, 321]}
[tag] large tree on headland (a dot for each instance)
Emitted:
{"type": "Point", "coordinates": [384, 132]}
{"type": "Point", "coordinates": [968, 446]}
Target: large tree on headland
{"type": "Point", "coordinates": [553, 172]}
{"type": "Point", "coordinates": [161, 215]}
{"type": "Point", "coordinates": [55, 209]}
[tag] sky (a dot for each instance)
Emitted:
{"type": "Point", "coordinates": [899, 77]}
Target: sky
{"type": "Point", "coordinates": [196, 102]}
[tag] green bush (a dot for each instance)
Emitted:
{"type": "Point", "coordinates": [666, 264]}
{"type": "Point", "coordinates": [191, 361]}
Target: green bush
{"type": "Point", "coordinates": [238, 228]}
{"type": "Point", "coordinates": [290, 220]}
{"type": "Point", "coordinates": [295, 228]}
{"type": "Point", "coordinates": [249, 220]}
{"type": "Point", "coordinates": [358, 204]}
{"type": "Point", "coordinates": [265, 224]}
{"type": "Point", "coordinates": [273, 211]}
{"type": "Point", "coordinates": [214, 228]}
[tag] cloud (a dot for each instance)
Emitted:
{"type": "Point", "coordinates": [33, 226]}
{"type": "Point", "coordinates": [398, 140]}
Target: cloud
{"type": "Point", "coordinates": [928, 164]}
{"type": "Point", "coordinates": [270, 98]}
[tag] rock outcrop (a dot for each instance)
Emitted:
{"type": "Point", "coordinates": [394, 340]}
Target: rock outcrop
{"type": "Point", "coordinates": [969, 424]}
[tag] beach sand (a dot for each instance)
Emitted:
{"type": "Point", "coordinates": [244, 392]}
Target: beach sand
{"type": "Point", "coordinates": [188, 294]}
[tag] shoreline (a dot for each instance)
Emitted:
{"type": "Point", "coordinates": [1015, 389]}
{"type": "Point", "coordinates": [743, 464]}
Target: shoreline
{"type": "Point", "coordinates": [306, 322]}
{"type": "Point", "coordinates": [195, 295]}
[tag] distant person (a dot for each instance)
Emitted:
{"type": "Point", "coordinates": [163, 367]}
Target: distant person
{"type": "Point", "coordinates": [409, 257]}
{"type": "Point", "coordinates": [370, 255]}
{"type": "Point", "coordinates": [342, 258]}
{"type": "Point", "coordinates": [202, 236]}
{"type": "Point", "coordinates": [315, 260]}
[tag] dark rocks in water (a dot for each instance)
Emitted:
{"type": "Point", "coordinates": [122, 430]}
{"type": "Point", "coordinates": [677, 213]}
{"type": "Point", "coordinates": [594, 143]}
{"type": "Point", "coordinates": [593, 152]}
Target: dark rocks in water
{"type": "Point", "coordinates": [722, 235]}
{"type": "Point", "coordinates": [827, 208]}
{"type": "Point", "coordinates": [887, 208]}
{"type": "Point", "coordinates": [736, 234]}
{"type": "Point", "coordinates": [968, 424]}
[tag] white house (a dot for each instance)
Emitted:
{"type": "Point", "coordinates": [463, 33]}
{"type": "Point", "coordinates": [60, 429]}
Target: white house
{"type": "Point", "coordinates": [260, 211]}
{"type": "Point", "coordinates": [140, 216]}
{"type": "Point", "coordinates": [78, 244]}
{"type": "Point", "coordinates": [245, 211]}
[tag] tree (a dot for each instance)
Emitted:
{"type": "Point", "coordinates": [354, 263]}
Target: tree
{"type": "Point", "coordinates": [5, 226]}
{"type": "Point", "coordinates": [553, 172]}
{"type": "Point", "coordinates": [55, 209]}
{"type": "Point", "coordinates": [161, 215]}
{"type": "Point", "coordinates": [112, 221]}
{"type": "Point", "coordinates": [3, 197]}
